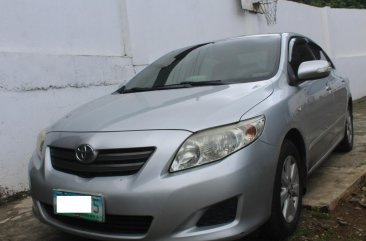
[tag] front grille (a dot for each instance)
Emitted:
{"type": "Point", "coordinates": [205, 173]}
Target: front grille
{"type": "Point", "coordinates": [114, 224]}
{"type": "Point", "coordinates": [111, 162]}
{"type": "Point", "coordinates": [220, 213]}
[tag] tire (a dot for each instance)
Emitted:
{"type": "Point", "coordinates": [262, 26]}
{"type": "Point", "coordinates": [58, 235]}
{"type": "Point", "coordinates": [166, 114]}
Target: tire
{"type": "Point", "coordinates": [346, 144]}
{"type": "Point", "coordinates": [287, 193]}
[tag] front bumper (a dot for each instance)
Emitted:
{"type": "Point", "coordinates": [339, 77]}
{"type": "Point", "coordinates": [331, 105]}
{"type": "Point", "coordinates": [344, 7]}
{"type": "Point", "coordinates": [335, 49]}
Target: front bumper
{"type": "Point", "coordinates": [175, 201]}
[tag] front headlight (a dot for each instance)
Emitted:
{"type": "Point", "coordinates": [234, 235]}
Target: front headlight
{"type": "Point", "coordinates": [40, 143]}
{"type": "Point", "coordinates": [215, 144]}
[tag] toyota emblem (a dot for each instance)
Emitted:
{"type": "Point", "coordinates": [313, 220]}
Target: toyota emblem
{"type": "Point", "coordinates": [85, 154]}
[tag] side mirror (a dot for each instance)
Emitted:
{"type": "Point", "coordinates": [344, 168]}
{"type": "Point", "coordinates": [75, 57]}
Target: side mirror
{"type": "Point", "coordinates": [315, 69]}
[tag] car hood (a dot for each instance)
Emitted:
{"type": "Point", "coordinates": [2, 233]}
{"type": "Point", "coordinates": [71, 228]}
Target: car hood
{"type": "Point", "coordinates": [189, 109]}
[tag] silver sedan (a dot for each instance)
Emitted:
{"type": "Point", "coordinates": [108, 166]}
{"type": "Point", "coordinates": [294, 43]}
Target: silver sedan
{"type": "Point", "coordinates": [209, 142]}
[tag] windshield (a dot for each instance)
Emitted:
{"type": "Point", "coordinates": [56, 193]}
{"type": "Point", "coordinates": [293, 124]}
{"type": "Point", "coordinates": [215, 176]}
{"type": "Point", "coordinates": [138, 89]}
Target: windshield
{"type": "Point", "coordinates": [240, 60]}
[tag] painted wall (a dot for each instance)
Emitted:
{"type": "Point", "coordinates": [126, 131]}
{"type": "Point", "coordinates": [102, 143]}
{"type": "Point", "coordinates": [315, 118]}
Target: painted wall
{"type": "Point", "coordinates": [23, 115]}
{"type": "Point", "coordinates": [348, 44]}
{"type": "Point", "coordinates": [66, 27]}
{"type": "Point", "coordinates": [157, 27]}
{"type": "Point", "coordinates": [56, 55]}
{"type": "Point", "coordinates": [339, 31]}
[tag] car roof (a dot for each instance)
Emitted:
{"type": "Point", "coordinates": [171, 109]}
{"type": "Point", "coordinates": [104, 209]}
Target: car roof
{"type": "Point", "coordinates": [282, 34]}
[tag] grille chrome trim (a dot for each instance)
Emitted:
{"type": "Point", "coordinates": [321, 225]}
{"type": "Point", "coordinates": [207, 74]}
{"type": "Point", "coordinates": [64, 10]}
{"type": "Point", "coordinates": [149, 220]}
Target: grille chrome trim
{"type": "Point", "coordinates": [109, 162]}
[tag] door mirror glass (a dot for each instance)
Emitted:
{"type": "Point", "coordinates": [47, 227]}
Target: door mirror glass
{"type": "Point", "coordinates": [314, 69]}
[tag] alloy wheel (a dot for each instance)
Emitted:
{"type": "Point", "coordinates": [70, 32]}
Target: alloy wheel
{"type": "Point", "coordinates": [349, 127]}
{"type": "Point", "coordinates": [290, 189]}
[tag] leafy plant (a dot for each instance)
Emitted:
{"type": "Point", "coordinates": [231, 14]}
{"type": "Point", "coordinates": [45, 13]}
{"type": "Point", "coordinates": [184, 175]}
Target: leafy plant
{"type": "Point", "coordinates": [334, 3]}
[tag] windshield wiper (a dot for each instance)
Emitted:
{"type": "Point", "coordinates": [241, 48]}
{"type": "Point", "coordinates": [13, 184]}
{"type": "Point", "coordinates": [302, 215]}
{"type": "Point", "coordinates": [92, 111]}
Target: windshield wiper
{"type": "Point", "coordinates": [142, 89]}
{"type": "Point", "coordinates": [184, 84]}
{"type": "Point", "coordinates": [205, 83]}
{"type": "Point", "coordinates": [136, 89]}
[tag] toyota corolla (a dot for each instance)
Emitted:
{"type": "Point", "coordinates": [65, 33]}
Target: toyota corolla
{"type": "Point", "coordinates": [208, 142]}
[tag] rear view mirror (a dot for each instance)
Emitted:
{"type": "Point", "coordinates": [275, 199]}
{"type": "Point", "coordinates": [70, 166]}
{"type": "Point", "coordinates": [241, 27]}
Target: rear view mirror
{"type": "Point", "coordinates": [315, 69]}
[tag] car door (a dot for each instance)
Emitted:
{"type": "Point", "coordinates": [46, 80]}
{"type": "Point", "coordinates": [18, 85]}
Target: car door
{"type": "Point", "coordinates": [337, 86]}
{"type": "Point", "coordinates": [316, 113]}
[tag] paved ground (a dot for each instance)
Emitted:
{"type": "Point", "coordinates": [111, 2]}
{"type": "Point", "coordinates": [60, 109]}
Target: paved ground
{"type": "Point", "coordinates": [331, 182]}
{"type": "Point", "coordinates": [340, 173]}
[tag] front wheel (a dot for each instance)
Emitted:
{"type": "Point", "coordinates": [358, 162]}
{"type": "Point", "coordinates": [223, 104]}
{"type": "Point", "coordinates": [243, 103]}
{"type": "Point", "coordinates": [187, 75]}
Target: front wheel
{"type": "Point", "coordinates": [346, 144]}
{"type": "Point", "coordinates": [287, 193]}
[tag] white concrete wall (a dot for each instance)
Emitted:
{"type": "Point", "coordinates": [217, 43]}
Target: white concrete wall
{"type": "Point", "coordinates": [66, 27]}
{"type": "Point", "coordinates": [348, 43]}
{"type": "Point", "coordinates": [299, 18]}
{"type": "Point", "coordinates": [23, 115]}
{"type": "Point", "coordinates": [339, 31]}
{"type": "Point", "coordinates": [56, 55]}
{"type": "Point", "coordinates": [157, 27]}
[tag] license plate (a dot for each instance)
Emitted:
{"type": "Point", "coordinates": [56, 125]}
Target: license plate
{"type": "Point", "coordinates": [97, 206]}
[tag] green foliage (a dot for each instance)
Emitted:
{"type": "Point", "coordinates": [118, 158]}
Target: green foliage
{"type": "Point", "coordinates": [334, 3]}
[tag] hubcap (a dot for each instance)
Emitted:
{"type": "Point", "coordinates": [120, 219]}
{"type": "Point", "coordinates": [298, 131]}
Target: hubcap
{"type": "Point", "coordinates": [349, 129]}
{"type": "Point", "coordinates": [290, 189]}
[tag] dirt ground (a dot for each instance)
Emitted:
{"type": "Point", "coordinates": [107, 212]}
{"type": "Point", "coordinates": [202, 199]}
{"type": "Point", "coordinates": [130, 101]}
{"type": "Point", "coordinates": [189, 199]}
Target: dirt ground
{"type": "Point", "coordinates": [346, 223]}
